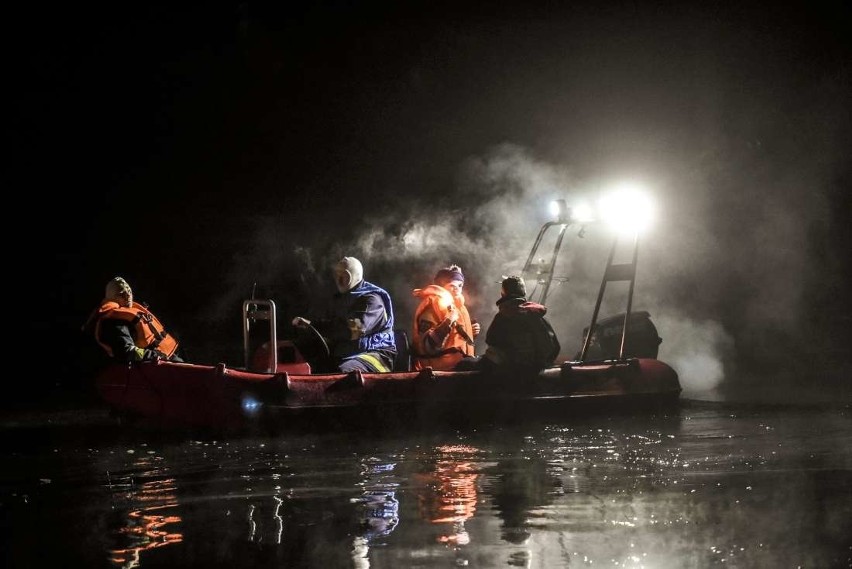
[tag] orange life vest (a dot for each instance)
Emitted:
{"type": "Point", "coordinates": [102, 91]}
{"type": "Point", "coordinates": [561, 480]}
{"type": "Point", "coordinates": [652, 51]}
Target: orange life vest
{"type": "Point", "coordinates": [438, 301]}
{"type": "Point", "coordinates": [148, 332]}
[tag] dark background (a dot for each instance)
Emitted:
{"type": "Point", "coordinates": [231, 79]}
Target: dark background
{"type": "Point", "coordinates": [204, 153]}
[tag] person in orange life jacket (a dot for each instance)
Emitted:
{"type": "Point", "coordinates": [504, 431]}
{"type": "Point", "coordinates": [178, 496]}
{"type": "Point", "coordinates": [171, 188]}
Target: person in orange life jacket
{"type": "Point", "coordinates": [519, 339]}
{"type": "Point", "coordinates": [359, 325]}
{"type": "Point", "coordinates": [443, 330]}
{"type": "Point", "coordinates": [127, 330]}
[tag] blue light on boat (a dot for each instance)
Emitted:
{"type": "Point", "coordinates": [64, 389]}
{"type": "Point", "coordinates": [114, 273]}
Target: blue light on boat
{"type": "Point", "coordinates": [250, 405]}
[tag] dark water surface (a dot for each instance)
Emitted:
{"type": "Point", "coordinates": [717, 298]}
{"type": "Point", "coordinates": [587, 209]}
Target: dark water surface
{"type": "Point", "coordinates": [713, 485]}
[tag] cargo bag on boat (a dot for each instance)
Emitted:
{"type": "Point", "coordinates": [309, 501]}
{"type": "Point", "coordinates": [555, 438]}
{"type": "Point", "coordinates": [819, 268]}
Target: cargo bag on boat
{"type": "Point", "coordinates": [642, 338]}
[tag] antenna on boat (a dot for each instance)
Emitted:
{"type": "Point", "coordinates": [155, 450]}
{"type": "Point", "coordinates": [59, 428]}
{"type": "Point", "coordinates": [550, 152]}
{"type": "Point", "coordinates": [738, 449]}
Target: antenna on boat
{"type": "Point", "coordinates": [253, 290]}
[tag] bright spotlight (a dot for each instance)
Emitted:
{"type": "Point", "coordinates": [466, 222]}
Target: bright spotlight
{"type": "Point", "coordinates": [560, 211]}
{"type": "Point", "coordinates": [583, 213]}
{"type": "Point", "coordinates": [578, 213]}
{"type": "Point", "coordinates": [628, 210]}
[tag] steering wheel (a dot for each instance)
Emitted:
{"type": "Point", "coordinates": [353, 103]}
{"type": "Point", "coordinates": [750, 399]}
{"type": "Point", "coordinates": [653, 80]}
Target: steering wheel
{"type": "Point", "coordinates": [313, 346]}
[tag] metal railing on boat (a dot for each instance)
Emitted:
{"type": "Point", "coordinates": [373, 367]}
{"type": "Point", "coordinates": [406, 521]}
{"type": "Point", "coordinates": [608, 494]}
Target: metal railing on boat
{"type": "Point", "coordinates": [260, 311]}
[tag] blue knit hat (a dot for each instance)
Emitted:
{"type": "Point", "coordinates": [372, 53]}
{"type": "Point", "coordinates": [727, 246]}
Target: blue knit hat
{"type": "Point", "coordinates": [449, 274]}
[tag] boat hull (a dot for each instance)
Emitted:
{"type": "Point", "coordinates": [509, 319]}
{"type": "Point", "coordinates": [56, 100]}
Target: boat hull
{"type": "Point", "coordinates": [219, 396]}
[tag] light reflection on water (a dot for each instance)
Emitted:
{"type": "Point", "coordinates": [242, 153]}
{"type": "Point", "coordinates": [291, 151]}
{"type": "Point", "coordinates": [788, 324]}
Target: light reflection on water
{"type": "Point", "coordinates": [716, 485]}
{"type": "Point", "coordinates": [149, 507]}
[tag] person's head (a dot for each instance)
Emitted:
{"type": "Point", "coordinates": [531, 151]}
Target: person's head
{"type": "Point", "coordinates": [451, 278]}
{"type": "Point", "coordinates": [348, 272]}
{"type": "Point", "coordinates": [513, 287]}
{"type": "Point", "coordinates": [117, 290]}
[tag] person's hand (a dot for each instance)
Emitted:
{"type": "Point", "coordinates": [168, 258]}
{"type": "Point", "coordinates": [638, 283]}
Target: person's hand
{"type": "Point", "coordinates": [476, 328]}
{"type": "Point", "coordinates": [299, 322]}
{"type": "Point", "coordinates": [356, 328]}
{"type": "Point", "coordinates": [453, 314]}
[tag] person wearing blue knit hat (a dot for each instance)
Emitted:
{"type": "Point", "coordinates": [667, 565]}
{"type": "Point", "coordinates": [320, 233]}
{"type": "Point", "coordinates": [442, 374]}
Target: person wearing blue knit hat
{"type": "Point", "coordinates": [443, 331]}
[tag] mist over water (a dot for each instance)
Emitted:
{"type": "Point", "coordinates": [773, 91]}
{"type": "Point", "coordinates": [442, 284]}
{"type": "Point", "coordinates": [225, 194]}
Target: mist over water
{"type": "Point", "coordinates": [728, 291]}
{"type": "Point", "coordinates": [211, 154]}
{"type": "Point", "coordinates": [250, 147]}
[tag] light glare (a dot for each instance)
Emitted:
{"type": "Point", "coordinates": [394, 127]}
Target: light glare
{"type": "Point", "coordinates": [628, 210]}
{"type": "Point", "coordinates": [250, 405]}
{"type": "Point", "coordinates": [559, 210]}
{"type": "Point", "coordinates": [583, 213]}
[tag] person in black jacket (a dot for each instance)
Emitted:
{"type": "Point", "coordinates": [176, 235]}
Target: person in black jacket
{"type": "Point", "coordinates": [519, 339]}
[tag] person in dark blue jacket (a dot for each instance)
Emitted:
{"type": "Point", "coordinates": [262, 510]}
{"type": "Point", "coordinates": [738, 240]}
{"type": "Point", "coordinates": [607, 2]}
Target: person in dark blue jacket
{"type": "Point", "coordinates": [359, 327]}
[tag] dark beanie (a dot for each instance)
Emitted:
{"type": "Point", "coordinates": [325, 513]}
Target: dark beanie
{"type": "Point", "coordinates": [514, 287]}
{"type": "Point", "coordinates": [449, 274]}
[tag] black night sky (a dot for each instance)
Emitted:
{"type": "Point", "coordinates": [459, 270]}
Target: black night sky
{"type": "Point", "coordinates": [203, 152]}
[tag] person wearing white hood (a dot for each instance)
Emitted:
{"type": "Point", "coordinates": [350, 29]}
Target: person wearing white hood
{"type": "Point", "coordinates": [359, 327]}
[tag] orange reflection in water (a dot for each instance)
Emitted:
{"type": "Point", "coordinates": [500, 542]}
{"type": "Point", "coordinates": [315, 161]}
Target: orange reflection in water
{"type": "Point", "coordinates": [451, 492]}
{"type": "Point", "coordinates": [146, 526]}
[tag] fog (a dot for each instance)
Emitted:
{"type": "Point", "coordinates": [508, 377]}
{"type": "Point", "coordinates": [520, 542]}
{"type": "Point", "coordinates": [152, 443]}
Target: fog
{"type": "Point", "coordinates": [720, 286]}
{"type": "Point", "coordinates": [243, 150]}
